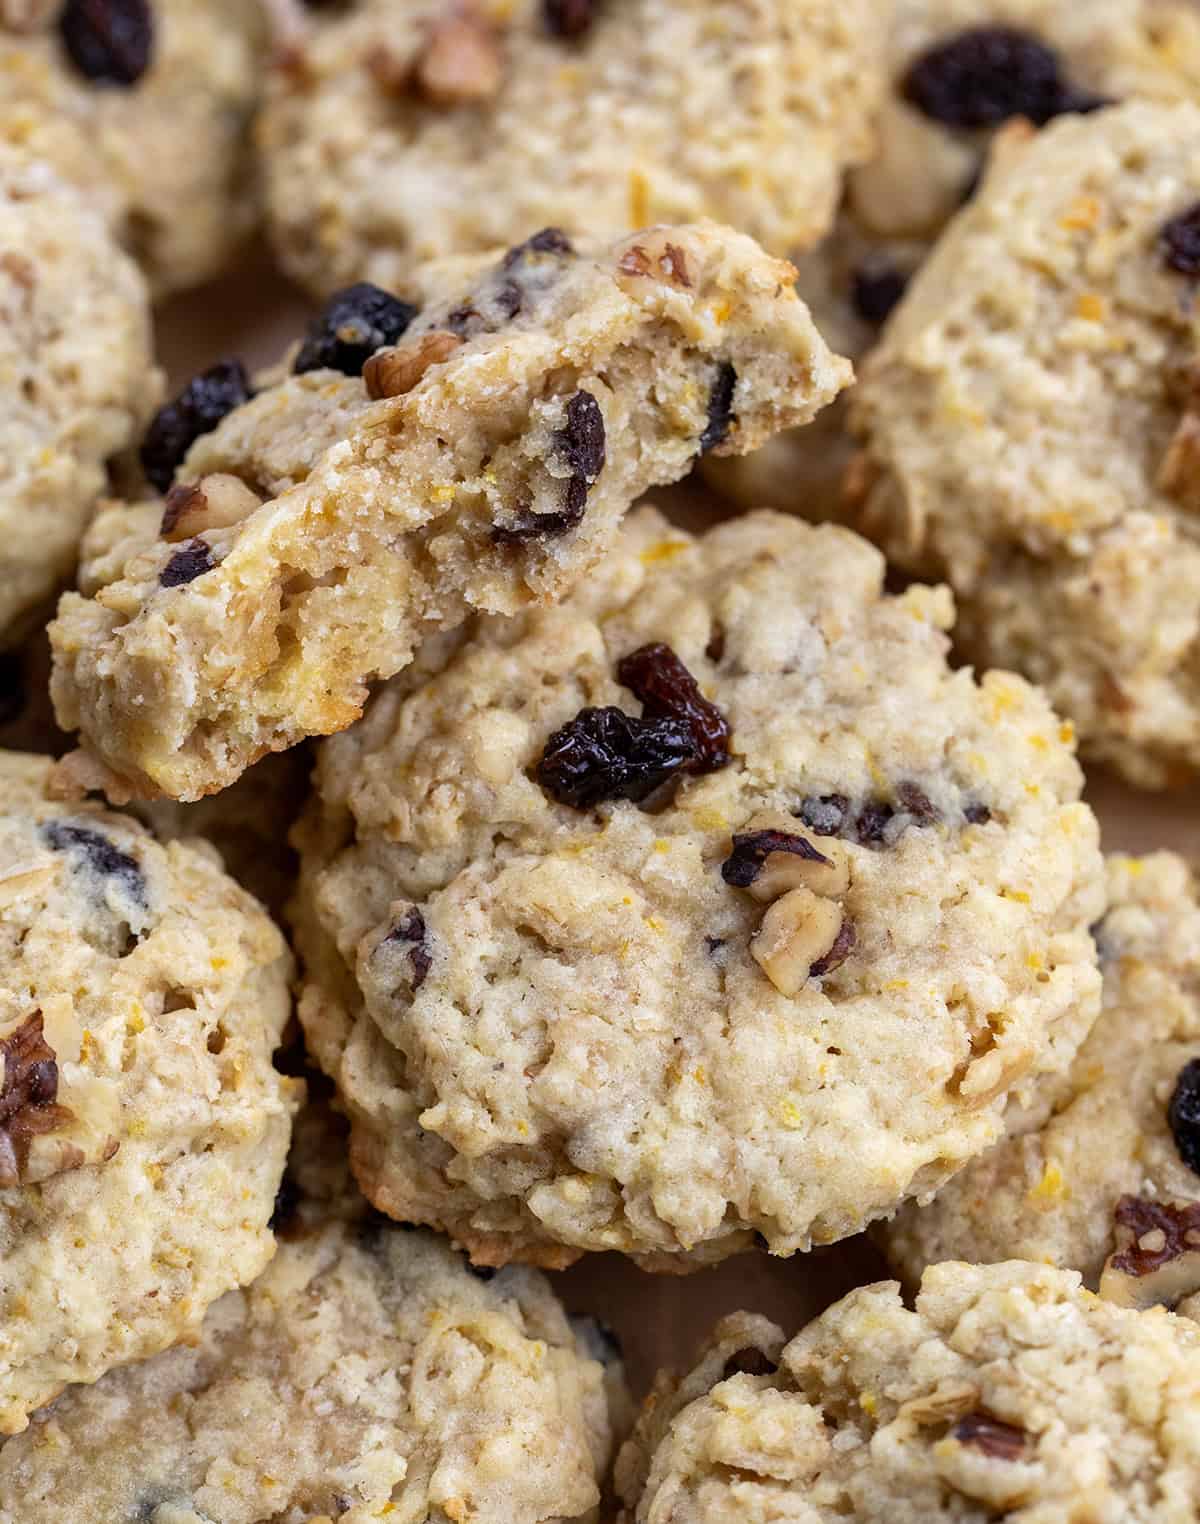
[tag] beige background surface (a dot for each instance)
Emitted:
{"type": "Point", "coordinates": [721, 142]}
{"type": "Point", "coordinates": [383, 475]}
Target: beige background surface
{"type": "Point", "coordinates": [658, 1319]}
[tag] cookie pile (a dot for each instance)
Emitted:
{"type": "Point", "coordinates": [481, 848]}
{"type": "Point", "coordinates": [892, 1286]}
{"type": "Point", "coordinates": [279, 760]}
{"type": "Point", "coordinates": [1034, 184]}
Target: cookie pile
{"type": "Point", "coordinates": [426, 860]}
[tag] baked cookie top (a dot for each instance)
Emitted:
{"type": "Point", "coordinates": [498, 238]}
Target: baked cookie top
{"type": "Point", "coordinates": [145, 106]}
{"type": "Point", "coordinates": [1007, 1391]}
{"type": "Point", "coordinates": [473, 449]}
{"type": "Point", "coordinates": [77, 376]}
{"type": "Point", "coordinates": [765, 957]}
{"type": "Point", "coordinates": [143, 1127]}
{"type": "Point", "coordinates": [367, 1373]}
{"type": "Point", "coordinates": [403, 130]}
{"type": "Point", "coordinates": [1030, 427]}
{"type": "Point", "coordinates": [1110, 1152]}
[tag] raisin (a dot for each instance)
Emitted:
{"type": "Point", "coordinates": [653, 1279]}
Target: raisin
{"type": "Point", "coordinates": [568, 18]}
{"type": "Point", "coordinates": [918, 803]}
{"type": "Point", "coordinates": [607, 754]}
{"type": "Point", "coordinates": [110, 42]}
{"type": "Point", "coordinates": [1183, 1114]}
{"type": "Point", "coordinates": [669, 691]}
{"type": "Point", "coordinates": [1180, 241]}
{"type": "Point", "coordinates": [189, 562]}
{"type": "Point", "coordinates": [875, 290]}
{"type": "Point", "coordinates": [872, 821]}
{"type": "Point", "coordinates": [547, 241]}
{"type": "Point", "coordinates": [985, 75]}
{"type": "Point", "coordinates": [97, 854]}
{"type": "Point", "coordinates": [992, 1436]}
{"type": "Point", "coordinates": [28, 1097]}
{"type": "Point", "coordinates": [1176, 1229]}
{"type": "Point", "coordinates": [751, 850]}
{"type": "Point", "coordinates": [748, 1362]}
{"type": "Point", "coordinates": [12, 686]}
{"type": "Point", "coordinates": [410, 929]}
{"type": "Point", "coordinates": [582, 444]}
{"type": "Point", "coordinates": [976, 814]}
{"type": "Point", "coordinates": [197, 410]}
{"type": "Point", "coordinates": [353, 324]}
{"type": "Point", "coordinates": [843, 946]}
{"type": "Point", "coordinates": [825, 813]}
{"type": "Point", "coordinates": [720, 408]}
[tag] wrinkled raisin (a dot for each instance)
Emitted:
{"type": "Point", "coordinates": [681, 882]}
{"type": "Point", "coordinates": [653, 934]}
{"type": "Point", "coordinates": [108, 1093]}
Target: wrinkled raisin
{"type": "Point", "coordinates": [872, 821]}
{"type": "Point", "coordinates": [568, 18]}
{"type": "Point", "coordinates": [825, 813]}
{"type": "Point", "coordinates": [1180, 241]}
{"type": "Point", "coordinates": [992, 1436]}
{"type": "Point", "coordinates": [110, 42]}
{"type": "Point", "coordinates": [353, 324]}
{"type": "Point", "coordinates": [875, 290]}
{"type": "Point", "coordinates": [1183, 1114]}
{"type": "Point", "coordinates": [410, 929]}
{"type": "Point", "coordinates": [197, 410]}
{"type": "Point", "coordinates": [581, 441]}
{"type": "Point", "coordinates": [607, 754]}
{"type": "Point", "coordinates": [843, 946]}
{"type": "Point", "coordinates": [669, 691]}
{"type": "Point", "coordinates": [748, 1362]}
{"type": "Point", "coordinates": [96, 853]}
{"type": "Point", "coordinates": [189, 562]}
{"type": "Point", "coordinates": [983, 76]}
{"type": "Point", "coordinates": [12, 686]}
{"type": "Point", "coordinates": [752, 848]}
{"type": "Point", "coordinates": [720, 408]}
{"type": "Point", "coordinates": [547, 241]}
{"type": "Point", "coordinates": [917, 802]}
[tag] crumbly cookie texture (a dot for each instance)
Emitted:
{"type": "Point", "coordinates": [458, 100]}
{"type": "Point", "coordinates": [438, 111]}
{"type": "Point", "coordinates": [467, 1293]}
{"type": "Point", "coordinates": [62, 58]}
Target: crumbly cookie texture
{"type": "Point", "coordinates": [483, 463]}
{"type": "Point", "coordinates": [1110, 1152]}
{"type": "Point", "coordinates": [367, 1373]}
{"type": "Point", "coordinates": [1007, 1392]}
{"type": "Point", "coordinates": [163, 151]}
{"type": "Point", "coordinates": [404, 130]}
{"type": "Point", "coordinates": [77, 377]}
{"type": "Point", "coordinates": [143, 1129]}
{"type": "Point", "coordinates": [652, 1027]}
{"type": "Point", "coordinates": [1030, 428]}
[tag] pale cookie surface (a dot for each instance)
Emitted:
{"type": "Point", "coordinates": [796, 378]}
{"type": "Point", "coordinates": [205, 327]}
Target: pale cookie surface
{"type": "Point", "coordinates": [366, 1374]}
{"type": "Point", "coordinates": [410, 129]}
{"type": "Point", "coordinates": [530, 400]}
{"type": "Point", "coordinates": [563, 1026]}
{"type": "Point", "coordinates": [77, 377]}
{"type": "Point", "coordinates": [1008, 1392]}
{"type": "Point", "coordinates": [149, 117]}
{"type": "Point", "coordinates": [1111, 1152]}
{"type": "Point", "coordinates": [1031, 431]}
{"type": "Point", "coordinates": [143, 1128]}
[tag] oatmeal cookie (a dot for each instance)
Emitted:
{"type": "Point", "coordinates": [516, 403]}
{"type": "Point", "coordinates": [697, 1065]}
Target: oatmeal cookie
{"type": "Point", "coordinates": [404, 130]}
{"type": "Point", "coordinates": [143, 1127]}
{"type": "Point", "coordinates": [1030, 421]}
{"type": "Point", "coordinates": [77, 378]}
{"type": "Point", "coordinates": [765, 957]}
{"type": "Point", "coordinates": [366, 1373]}
{"type": "Point", "coordinates": [1110, 1152]}
{"type": "Point", "coordinates": [145, 105]}
{"type": "Point", "coordinates": [1008, 1392]}
{"type": "Point", "coordinates": [481, 457]}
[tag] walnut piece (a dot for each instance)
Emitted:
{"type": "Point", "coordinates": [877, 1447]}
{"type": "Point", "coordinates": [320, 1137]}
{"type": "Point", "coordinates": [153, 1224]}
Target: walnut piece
{"type": "Point", "coordinates": [214, 502]}
{"type": "Point", "coordinates": [1156, 1261]}
{"type": "Point", "coordinates": [655, 257]}
{"type": "Point", "coordinates": [770, 856]}
{"type": "Point", "coordinates": [28, 1097]}
{"type": "Point", "coordinates": [796, 933]}
{"type": "Point", "coordinates": [395, 371]}
{"type": "Point", "coordinates": [461, 63]}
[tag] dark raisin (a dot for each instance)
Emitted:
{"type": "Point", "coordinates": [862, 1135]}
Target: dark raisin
{"type": "Point", "coordinates": [917, 802]}
{"type": "Point", "coordinates": [976, 814]}
{"type": "Point", "coordinates": [508, 299]}
{"type": "Point", "coordinates": [97, 854]}
{"type": "Point", "coordinates": [843, 946]}
{"type": "Point", "coordinates": [669, 691]}
{"type": "Point", "coordinates": [410, 929]}
{"type": "Point", "coordinates": [748, 1362]}
{"type": "Point", "coordinates": [197, 410]}
{"type": "Point", "coordinates": [1175, 1230]}
{"type": "Point", "coordinates": [1183, 1114]}
{"type": "Point", "coordinates": [872, 821]}
{"type": "Point", "coordinates": [825, 814]}
{"type": "Point", "coordinates": [985, 75]}
{"type": "Point", "coordinates": [992, 1436]}
{"type": "Point", "coordinates": [110, 42]}
{"type": "Point", "coordinates": [189, 562]}
{"type": "Point", "coordinates": [599, 1340]}
{"type": "Point", "coordinates": [568, 18]}
{"type": "Point", "coordinates": [581, 441]}
{"type": "Point", "coordinates": [751, 850]}
{"type": "Point", "coordinates": [607, 754]}
{"type": "Point", "coordinates": [875, 290]}
{"type": "Point", "coordinates": [720, 408]}
{"type": "Point", "coordinates": [1179, 241]}
{"type": "Point", "coordinates": [353, 324]}
{"type": "Point", "coordinates": [548, 241]}
{"type": "Point", "coordinates": [287, 1204]}
{"type": "Point", "coordinates": [12, 686]}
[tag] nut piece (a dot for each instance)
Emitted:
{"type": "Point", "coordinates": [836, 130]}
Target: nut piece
{"type": "Point", "coordinates": [393, 372]}
{"type": "Point", "coordinates": [797, 931]}
{"type": "Point", "coordinates": [214, 502]}
{"type": "Point", "coordinates": [770, 856]}
{"type": "Point", "coordinates": [1156, 1262]}
{"type": "Point", "coordinates": [462, 62]}
{"type": "Point", "coordinates": [653, 256]}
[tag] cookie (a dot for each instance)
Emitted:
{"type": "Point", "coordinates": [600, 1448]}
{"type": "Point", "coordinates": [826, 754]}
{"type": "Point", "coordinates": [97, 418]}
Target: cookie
{"type": "Point", "coordinates": [1007, 1391]}
{"type": "Point", "coordinates": [404, 130]}
{"type": "Point", "coordinates": [1110, 1151]}
{"type": "Point", "coordinates": [708, 904]}
{"type": "Point", "coordinates": [77, 378]}
{"type": "Point", "coordinates": [145, 105]}
{"type": "Point", "coordinates": [481, 458]}
{"type": "Point", "coordinates": [1029, 427]}
{"type": "Point", "coordinates": [143, 1128]}
{"type": "Point", "coordinates": [366, 1373]}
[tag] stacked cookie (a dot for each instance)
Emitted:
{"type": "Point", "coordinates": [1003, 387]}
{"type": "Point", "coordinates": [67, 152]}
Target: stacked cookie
{"type": "Point", "coordinates": [425, 863]}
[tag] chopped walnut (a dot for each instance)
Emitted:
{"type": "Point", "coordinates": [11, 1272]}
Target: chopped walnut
{"type": "Point", "coordinates": [395, 371]}
{"type": "Point", "coordinates": [28, 1098]}
{"type": "Point", "coordinates": [1156, 1261]}
{"type": "Point", "coordinates": [655, 257]}
{"type": "Point", "coordinates": [214, 502]}
{"type": "Point", "coordinates": [797, 932]}
{"type": "Point", "coordinates": [770, 857]}
{"type": "Point", "coordinates": [462, 61]}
